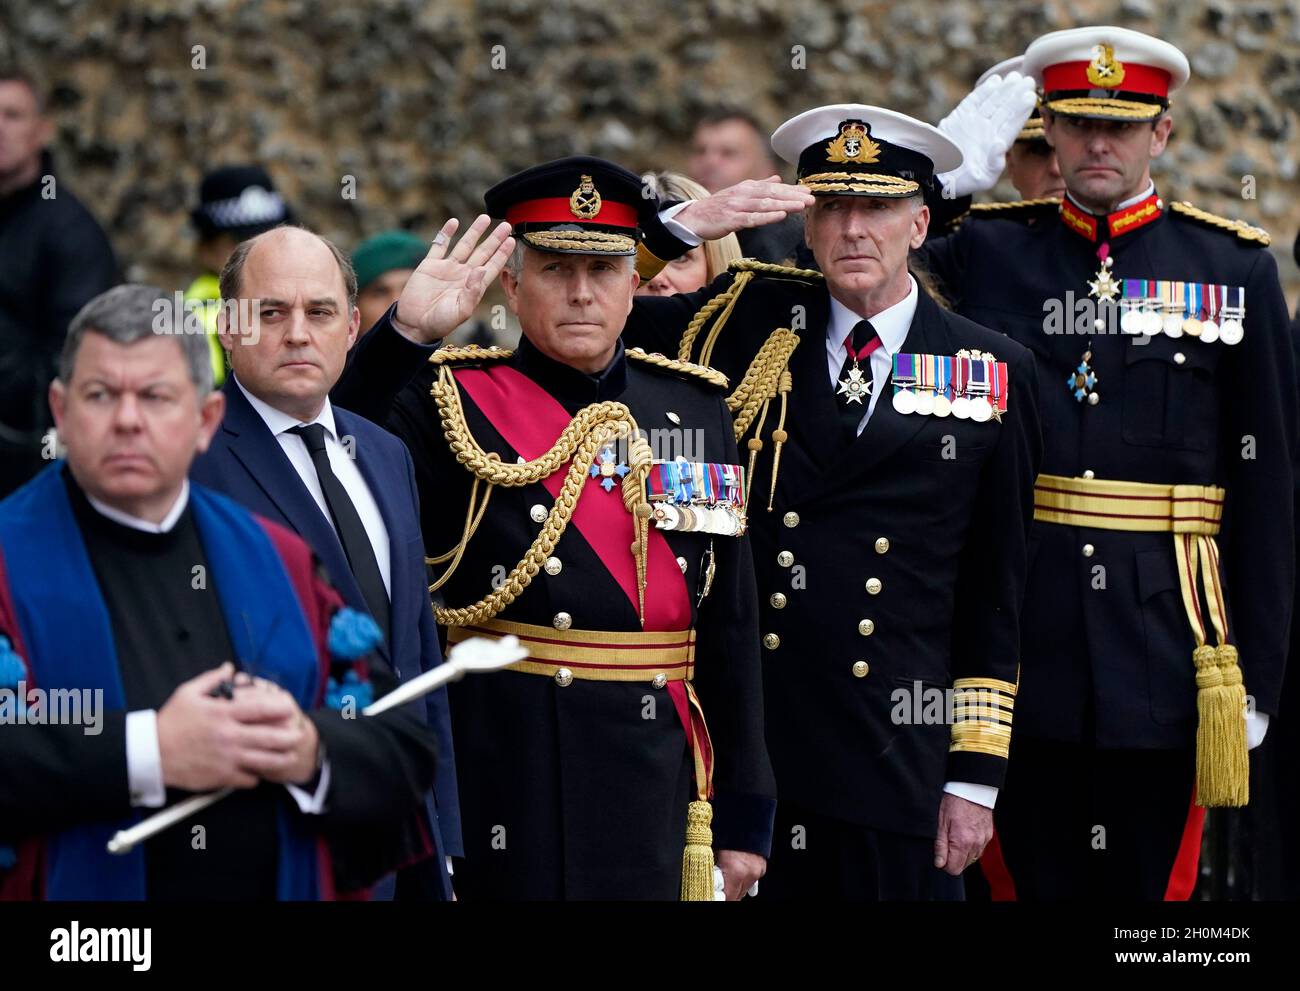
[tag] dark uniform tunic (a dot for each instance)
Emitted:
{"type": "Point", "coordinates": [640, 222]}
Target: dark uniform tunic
{"type": "Point", "coordinates": [1108, 665]}
{"type": "Point", "coordinates": [575, 791]}
{"type": "Point", "coordinates": [907, 557]}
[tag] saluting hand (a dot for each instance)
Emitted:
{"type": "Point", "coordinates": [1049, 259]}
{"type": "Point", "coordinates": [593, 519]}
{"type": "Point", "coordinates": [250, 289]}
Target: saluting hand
{"type": "Point", "coordinates": [965, 828]}
{"type": "Point", "coordinates": [444, 289]}
{"type": "Point", "coordinates": [752, 203]}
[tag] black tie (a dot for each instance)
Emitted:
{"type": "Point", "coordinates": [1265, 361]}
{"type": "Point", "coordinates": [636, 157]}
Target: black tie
{"type": "Point", "coordinates": [865, 340]}
{"type": "Point", "coordinates": [352, 534]}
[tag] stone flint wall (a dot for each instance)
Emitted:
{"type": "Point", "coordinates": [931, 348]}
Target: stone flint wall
{"type": "Point", "coordinates": [425, 104]}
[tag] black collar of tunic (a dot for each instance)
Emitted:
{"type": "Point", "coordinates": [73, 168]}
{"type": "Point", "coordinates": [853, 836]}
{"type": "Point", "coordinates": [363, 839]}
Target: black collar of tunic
{"type": "Point", "coordinates": [569, 385]}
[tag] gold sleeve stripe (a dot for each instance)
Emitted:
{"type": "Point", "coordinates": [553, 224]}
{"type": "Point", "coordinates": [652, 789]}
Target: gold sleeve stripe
{"type": "Point", "coordinates": [992, 749]}
{"type": "Point", "coordinates": [993, 683]}
{"type": "Point", "coordinates": [980, 725]}
{"type": "Point", "coordinates": [979, 713]}
{"type": "Point", "coordinates": [648, 264]}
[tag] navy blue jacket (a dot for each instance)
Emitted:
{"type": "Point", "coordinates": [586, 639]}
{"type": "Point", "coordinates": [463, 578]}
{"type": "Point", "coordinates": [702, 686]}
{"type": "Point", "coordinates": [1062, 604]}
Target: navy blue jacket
{"type": "Point", "coordinates": [247, 463]}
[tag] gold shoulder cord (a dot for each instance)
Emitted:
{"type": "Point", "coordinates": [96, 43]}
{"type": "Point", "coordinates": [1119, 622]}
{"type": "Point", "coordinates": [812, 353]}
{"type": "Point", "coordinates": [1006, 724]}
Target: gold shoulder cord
{"type": "Point", "coordinates": [978, 208]}
{"type": "Point", "coordinates": [767, 376]}
{"type": "Point", "coordinates": [725, 301]}
{"type": "Point", "coordinates": [592, 428]}
{"type": "Point", "coordinates": [768, 373]}
{"type": "Point", "coordinates": [1243, 230]}
{"type": "Point", "coordinates": [654, 358]}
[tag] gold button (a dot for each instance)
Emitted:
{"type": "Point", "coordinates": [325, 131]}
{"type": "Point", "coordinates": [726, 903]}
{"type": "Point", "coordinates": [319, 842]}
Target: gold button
{"type": "Point", "coordinates": [790, 519]}
{"type": "Point", "coordinates": [538, 513]}
{"type": "Point", "coordinates": [778, 600]}
{"type": "Point", "coordinates": [882, 545]}
{"type": "Point", "coordinates": [564, 677]}
{"type": "Point", "coordinates": [771, 641]}
{"type": "Point", "coordinates": [874, 586]}
{"type": "Point", "coordinates": [1094, 398]}
{"type": "Point", "coordinates": [1089, 474]}
{"type": "Point", "coordinates": [1179, 358]}
{"type": "Point", "coordinates": [681, 563]}
{"type": "Point", "coordinates": [860, 669]}
{"type": "Point", "coordinates": [553, 566]}
{"type": "Point", "coordinates": [661, 679]}
{"type": "Point", "coordinates": [1088, 550]}
{"type": "Point", "coordinates": [785, 559]}
{"type": "Point", "coordinates": [866, 627]}
{"type": "Point", "coordinates": [562, 621]}
{"type": "Point", "coordinates": [673, 418]}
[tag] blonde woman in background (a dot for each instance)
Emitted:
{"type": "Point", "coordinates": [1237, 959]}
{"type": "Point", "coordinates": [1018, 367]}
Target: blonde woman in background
{"type": "Point", "coordinates": [699, 266]}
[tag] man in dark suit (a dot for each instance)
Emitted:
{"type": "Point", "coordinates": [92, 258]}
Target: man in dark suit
{"type": "Point", "coordinates": [889, 524]}
{"type": "Point", "coordinates": [344, 485]}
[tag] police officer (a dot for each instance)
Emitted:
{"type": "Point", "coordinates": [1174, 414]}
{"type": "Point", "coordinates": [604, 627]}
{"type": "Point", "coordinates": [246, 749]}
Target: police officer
{"type": "Point", "coordinates": [892, 447]}
{"type": "Point", "coordinates": [1162, 562]}
{"type": "Point", "coordinates": [588, 499]}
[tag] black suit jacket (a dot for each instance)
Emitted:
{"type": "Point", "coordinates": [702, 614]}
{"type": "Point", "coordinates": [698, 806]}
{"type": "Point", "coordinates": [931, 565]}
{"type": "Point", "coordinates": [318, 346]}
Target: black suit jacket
{"type": "Point", "coordinates": [246, 462]}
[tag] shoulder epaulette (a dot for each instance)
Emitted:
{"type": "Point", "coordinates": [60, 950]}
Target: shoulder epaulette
{"type": "Point", "coordinates": [1243, 230]}
{"type": "Point", "coordinates": [469, 353]}
{"type": "Point", "coordinates": [1013, 209]}
{"type": "Point", "coordinates": [776, 271]}
{"type": "Point", "coordinates": [690, 368]}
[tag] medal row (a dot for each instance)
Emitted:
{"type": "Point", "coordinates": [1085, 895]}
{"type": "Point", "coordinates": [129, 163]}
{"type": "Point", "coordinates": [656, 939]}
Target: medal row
{"type": "Point", "coordinates": [968, 385]}
{"type": "Point", "coordinates": [1207, 312]}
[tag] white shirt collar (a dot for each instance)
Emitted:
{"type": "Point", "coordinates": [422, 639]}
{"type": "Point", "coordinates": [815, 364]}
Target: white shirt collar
{"type": "Point", "coordinates": [891, 324]}
{"type": "Point", "coordinates": [1151, 188]}
{"type": "Point", "coordinates": [279, 421]}
{"type": "Point", "coordinates": [146, 526]}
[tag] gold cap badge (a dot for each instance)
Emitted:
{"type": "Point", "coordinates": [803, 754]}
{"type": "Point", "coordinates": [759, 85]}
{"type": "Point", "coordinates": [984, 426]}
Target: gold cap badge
{"type": "Point", "coordinates": [1105, 70]}
{"type": "Point", "coordinates": [853, 144]}
{"type": "Point", "coordinates": [585, 201]}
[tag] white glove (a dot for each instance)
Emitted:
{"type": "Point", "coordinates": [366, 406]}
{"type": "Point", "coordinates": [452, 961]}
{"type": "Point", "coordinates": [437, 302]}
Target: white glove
{"type": "Point", "coordinates": [1256, 727]}
{"type": "Point", "coordinates": [984, 125]}
{"type": "Point", "coordinates": [719, 885]}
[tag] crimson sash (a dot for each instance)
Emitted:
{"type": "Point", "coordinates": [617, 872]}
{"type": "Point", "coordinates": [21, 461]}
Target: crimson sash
{"type": "Point", "coordinates": [503, 394]}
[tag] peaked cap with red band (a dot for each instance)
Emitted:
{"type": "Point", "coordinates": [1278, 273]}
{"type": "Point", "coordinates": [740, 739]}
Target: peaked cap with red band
{"type": "Point", "coordinates": [577, 205]}
{"type": "Point", "coordinates": [1106, 73]}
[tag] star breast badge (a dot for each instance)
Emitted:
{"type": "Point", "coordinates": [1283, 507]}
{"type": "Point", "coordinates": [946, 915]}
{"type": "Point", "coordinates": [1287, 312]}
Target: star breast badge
{"type": "Point", "coordinates": [607, 468]}
{"type": "Point", "coordinates": [855, 387]}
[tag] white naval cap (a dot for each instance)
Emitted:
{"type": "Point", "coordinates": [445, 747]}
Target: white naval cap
{"type": "Point", "coordinates": [851, 149]}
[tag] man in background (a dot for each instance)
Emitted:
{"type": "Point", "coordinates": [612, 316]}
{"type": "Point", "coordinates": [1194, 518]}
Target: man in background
{"type": "Point", "coordinates": [236, 202]}
{"type": "Point", "coordinates": [729, 146]}
{"type": "Point", "coordinates": [56, 257]}
{"type": "Point", "coordinates": [344, 485]}
{"type": "Point", "coordinates": [383, 263]}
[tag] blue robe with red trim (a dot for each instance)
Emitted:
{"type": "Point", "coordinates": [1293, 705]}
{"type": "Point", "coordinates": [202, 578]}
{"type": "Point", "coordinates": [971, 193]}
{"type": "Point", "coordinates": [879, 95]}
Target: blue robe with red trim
{"type": "Point", "coordinates": [52, 614]}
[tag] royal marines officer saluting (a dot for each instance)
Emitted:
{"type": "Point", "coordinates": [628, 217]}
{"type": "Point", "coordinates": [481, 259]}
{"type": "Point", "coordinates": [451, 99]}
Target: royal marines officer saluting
{"type": "Point", "coordinates": [1162, 553]}
{"type": "Point", "coordinates": [1031, 163]}
{"type": "Point", "coordinates": [893, 447]}
{"type": "Point", "coordinates": [621, 568]}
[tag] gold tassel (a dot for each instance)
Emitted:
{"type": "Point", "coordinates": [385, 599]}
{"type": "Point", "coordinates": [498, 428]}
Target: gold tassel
{"type": "Point", "coordinates": [779, 436]}
{"type": "Point", "coordinates": [697, 857]}
{"type": "Point", "coordinates": [755, 445]}
{"type": "Point", "coordinates": [1222, 767]}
